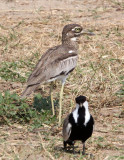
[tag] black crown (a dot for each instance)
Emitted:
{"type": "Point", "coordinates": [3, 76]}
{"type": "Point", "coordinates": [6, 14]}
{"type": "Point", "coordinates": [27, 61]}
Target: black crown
{"type": "Point", "coordinates": [80, 99]}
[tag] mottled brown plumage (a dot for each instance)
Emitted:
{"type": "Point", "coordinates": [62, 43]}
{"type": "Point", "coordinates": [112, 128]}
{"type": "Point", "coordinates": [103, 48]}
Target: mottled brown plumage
{"type": "Point", "coordinates": [55, 61]}
{"type": "Point", "coordinates": [58, 61]}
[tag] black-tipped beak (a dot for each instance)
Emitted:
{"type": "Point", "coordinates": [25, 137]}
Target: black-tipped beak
{"type": "Point", "coordinates": [87, 32]}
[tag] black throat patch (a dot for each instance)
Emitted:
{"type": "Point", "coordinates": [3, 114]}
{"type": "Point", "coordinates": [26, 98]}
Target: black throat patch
{"type": "Point", "coordinates": [81, 113]}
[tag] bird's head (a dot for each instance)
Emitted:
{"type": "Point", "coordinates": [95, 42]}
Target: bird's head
{"type": "Point", "coordinates": [71, 32]}
{"type": "Point", "coordinates": [80, 101]}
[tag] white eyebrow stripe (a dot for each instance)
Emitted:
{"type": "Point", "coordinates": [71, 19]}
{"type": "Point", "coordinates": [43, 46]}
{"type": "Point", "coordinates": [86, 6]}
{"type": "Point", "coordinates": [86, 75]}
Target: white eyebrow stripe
{"type": "Point", "coordinates": [73, 29]}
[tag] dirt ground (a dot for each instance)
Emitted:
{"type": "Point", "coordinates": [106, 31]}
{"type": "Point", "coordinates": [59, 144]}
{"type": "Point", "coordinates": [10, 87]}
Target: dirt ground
{"type": "Point", "coordinates": [27, 29]}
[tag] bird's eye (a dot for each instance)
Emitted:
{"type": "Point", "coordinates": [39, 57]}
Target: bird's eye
{"type": "Point", "coordinates": [77, 29]}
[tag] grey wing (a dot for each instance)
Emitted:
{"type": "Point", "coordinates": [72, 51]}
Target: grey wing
{"type": "Point", "coordinates": [62, 64]}
{"type": "Point", "coordinates": [66, 129]}
{"type": "Point", "coordinates": [43, 61]}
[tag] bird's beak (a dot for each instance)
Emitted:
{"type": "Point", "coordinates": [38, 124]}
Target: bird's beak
{"type": "Point", "coordinates": [81, 105]}
{"type": "Point", "coordinates": [87, 32]}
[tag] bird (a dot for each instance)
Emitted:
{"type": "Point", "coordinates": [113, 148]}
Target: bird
{"type": "Point", "coordinates": [78, 125]}
{"type": "Point", "coordinates": [57, 63]}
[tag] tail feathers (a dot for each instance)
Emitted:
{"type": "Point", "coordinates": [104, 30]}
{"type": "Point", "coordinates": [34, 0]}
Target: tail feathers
{"type": "Point", "coordinates": [28, 91]}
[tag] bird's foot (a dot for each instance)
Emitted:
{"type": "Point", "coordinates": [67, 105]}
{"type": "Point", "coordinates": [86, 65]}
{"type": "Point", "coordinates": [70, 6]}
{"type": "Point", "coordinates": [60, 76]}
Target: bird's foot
{"type": "Point", "coordinates": [91, 155]}
{"type": "Point", "coordinates": [74, 152]}
{"type": "Point", "coordinates": [83, 153]}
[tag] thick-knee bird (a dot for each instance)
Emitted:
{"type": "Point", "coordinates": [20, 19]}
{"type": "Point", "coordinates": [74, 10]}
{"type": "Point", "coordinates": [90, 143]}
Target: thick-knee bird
{"type": "Point", "coordinates": [78, 125]}
{"type": "Point", "coordinates": [56, 63]}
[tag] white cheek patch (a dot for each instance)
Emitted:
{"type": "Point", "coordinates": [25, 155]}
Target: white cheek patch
{"type": "Point", "coordinates": [75, 113]}
{"type": "Point", "coordinates": [71, 51]}
{"type": "Point", "coordinates": [87, 114]}
{"type": "Point", "coordinates": [74, 39]}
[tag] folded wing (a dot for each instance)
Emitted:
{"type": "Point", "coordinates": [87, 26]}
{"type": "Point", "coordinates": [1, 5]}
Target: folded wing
{"type": "Point", "coordinates": [66, 129]}
{"type": "Point", "coordinates": [51, 65]}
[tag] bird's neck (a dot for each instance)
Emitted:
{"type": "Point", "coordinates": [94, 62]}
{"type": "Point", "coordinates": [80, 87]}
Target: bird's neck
{"type": "Point", "coordinates": [81, 115]}
{"type": "Point", "coordinates": [71, 43]}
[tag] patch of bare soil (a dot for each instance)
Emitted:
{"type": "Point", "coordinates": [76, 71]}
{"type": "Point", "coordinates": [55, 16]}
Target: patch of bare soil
{"type": "Point", "coordinates": [27, 29]}
{"type": "Point", "coordinates": [8, 86]}
{"type": "Point", "coordinates": [46, 142]}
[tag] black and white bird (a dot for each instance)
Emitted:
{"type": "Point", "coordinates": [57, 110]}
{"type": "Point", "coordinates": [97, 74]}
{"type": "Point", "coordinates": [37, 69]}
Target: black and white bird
{"type": "Point", "coordinates": [57, 63]}
{"type": "Point", "coordinates": [78, 125]}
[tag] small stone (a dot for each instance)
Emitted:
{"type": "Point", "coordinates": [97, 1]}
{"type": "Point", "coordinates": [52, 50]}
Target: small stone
{"type": "Point", "coordinates": [16, 85]}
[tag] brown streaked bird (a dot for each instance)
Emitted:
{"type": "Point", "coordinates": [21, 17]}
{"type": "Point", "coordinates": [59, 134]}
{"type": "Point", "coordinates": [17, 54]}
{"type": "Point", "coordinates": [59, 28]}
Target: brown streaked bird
{"type": "Point", "coordinates": [57, 63]}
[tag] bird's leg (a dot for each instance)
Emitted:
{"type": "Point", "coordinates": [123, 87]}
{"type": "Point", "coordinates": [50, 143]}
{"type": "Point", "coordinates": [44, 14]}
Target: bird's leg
{"type": "Point", "coordinates": [83, 149]}
{"type": "Point", "coordinates": [65, 145]}
{"type": "Point", "coordinates": [60, 103]}
{"type": "Point", "coordinates": [73, 149]}
{"type": "Point", "coordinates": [51, 95]}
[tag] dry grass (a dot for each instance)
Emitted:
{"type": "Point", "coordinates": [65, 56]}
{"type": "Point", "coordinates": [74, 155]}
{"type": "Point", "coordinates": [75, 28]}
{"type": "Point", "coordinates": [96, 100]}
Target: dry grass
{"type": "Point", "coordinates": [25, 34]}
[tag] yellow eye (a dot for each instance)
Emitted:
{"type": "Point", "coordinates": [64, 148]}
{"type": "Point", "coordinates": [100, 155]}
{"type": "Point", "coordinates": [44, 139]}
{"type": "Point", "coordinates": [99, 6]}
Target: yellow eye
{"type": "Point", "coordinates": [77, 29]}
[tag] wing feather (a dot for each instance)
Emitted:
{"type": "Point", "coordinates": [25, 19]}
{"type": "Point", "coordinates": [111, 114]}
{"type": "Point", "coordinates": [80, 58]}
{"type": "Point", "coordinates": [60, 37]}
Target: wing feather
{"type": "Point", "coordinates": [52, 68]}
{"type": "Point", "coordinates": [54, 62]}
{"type": "Point", "coordinates": [66, 129]}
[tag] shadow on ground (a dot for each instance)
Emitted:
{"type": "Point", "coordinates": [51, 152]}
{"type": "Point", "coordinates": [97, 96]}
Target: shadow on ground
{"type": "Point", "coordinates": [43, 103]}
